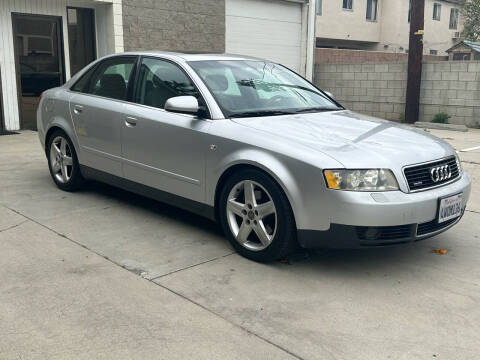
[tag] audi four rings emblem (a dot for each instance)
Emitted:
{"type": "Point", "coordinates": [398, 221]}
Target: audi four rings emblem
{"type": "Point", "coordinates": [440, 173]}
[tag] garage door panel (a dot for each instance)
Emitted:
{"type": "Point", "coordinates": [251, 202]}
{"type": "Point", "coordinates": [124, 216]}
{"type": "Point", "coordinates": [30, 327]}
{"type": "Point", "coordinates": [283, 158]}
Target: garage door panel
{"type": "Point", "coordinates": [278, 10]}
{"type": "Point", "coordinates": [269, 29]}
{"type": "Point", "coordinates": [265, 32]}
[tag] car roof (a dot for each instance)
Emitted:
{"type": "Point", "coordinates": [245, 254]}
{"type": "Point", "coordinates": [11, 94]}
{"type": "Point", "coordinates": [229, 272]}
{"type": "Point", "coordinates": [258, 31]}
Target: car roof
{"type": "Point", "coordinates": [193, 56]}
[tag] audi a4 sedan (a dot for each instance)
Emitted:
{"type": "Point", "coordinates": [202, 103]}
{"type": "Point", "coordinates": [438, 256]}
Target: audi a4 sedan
{"type": "Point", "coordinates": [247, 142]}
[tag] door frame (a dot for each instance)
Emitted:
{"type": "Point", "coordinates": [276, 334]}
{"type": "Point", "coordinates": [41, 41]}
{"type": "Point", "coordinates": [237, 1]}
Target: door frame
{"type": "Point", "coordinates": [61, 53]}
{"type": "Point", "coordinates": [2, 112]}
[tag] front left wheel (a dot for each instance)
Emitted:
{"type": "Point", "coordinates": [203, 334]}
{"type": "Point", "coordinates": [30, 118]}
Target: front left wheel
{"type": "Point", "coordinates": [256, 216]}
{"type": "Point", "coordinates": [63, 162]}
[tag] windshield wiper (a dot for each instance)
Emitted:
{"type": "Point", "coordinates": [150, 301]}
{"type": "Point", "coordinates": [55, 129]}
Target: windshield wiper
{"type": "Point", "coordinates": [261, 113]}
{"type": "Point", "coordinates": [317, 109]}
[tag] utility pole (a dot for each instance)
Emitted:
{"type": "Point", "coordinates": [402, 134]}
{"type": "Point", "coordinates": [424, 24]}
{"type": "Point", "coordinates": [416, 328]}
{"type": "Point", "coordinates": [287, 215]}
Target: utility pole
{"type": "Point", "coordinates": [415, 55]}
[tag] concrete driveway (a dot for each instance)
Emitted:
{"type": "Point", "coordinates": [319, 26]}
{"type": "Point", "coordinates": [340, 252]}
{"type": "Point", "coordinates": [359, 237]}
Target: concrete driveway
{"type": "Point", "coordinates": [104, 274]}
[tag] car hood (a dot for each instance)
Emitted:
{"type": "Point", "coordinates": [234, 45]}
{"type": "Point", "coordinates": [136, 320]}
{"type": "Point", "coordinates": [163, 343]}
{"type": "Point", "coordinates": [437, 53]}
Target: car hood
{"type": "Point", "coordinates": [354, 140]}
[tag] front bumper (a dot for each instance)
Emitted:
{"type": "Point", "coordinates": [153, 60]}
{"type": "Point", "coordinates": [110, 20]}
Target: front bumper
{"type": "Point", "coordinates": [380, 219]}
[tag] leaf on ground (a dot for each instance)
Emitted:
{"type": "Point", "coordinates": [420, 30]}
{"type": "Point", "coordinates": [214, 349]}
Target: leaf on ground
{"type": "Point", "coordinates": [440, 251]}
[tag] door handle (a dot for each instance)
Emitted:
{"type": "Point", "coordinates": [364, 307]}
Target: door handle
{"type": "Point", "coordinates": [77, 109]}
{"type": "Point", "coordinates": [130, 121]}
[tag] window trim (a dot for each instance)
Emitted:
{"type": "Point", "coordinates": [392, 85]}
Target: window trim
{"type": "Point", "coordinates": [135, 86]}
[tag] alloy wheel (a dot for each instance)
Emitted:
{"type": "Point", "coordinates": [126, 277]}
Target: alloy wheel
{"type": "Point", "coordinates": [251, 215]}
{"type": "Point", "coordinates": [61, 159]}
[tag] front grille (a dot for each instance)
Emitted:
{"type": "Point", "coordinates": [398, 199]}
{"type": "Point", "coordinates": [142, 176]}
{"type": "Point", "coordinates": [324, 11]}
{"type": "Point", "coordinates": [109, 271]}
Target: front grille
{"type": "Point", "coordinates": [384, 233]}
{"type": "Point", "coordinates": [419, 176]}
{"type": "Point", "coordinates": [433, 226]}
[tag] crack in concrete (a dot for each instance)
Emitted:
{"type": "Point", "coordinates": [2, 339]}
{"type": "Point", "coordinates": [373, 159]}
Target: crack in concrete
{"type": "Point", "coordinates": [13, 226]}
{"type": "Point", "coordinates": [192, 266]}
{"type": "Point", "coordinates": [164, 287]}
{"type": "Point", "coordinates": [473, 211]}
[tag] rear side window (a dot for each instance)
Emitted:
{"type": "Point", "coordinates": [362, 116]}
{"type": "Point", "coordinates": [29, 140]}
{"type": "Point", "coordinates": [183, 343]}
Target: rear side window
{"type": "Point", "coordinates": [109, 79]}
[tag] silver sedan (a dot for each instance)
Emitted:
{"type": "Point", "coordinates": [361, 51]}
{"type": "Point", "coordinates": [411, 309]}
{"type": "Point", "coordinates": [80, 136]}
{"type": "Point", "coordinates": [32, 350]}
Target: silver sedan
{"type": "Point", "coordinates": [247, 142]}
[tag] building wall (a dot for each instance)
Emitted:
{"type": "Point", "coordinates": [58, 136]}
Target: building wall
{"type": "Point", "coordinates": [379, 89]}
{"type": "Point", "coordinates": [396, 28]}
{"type": "Point", "coordinates": [391, 31]}
{"type": "Point", "coordinates": [174, 25]}
{"type": "Point", "coordinates": [342, 56]}
{"type": "Point", "coordinates": [106, 39]}
{"type": "Point", "coordinates": [340, 24]}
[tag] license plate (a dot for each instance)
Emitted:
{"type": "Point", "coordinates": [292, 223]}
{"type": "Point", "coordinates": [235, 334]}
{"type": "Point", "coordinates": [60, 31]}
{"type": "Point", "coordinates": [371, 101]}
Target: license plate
{"type": "Point", "coordinates": [450, 208]}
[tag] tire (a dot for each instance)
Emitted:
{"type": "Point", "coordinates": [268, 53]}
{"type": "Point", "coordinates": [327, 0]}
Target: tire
{"type": "Point", "coordinates": [63, 162]}
{"type": "Point", "coordinates": [255, 229]}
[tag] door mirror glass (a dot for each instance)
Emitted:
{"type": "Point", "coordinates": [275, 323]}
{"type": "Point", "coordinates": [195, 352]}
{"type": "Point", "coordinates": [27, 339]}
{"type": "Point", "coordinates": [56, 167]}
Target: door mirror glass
{"type": "Point", "coordinates": [182, 104]}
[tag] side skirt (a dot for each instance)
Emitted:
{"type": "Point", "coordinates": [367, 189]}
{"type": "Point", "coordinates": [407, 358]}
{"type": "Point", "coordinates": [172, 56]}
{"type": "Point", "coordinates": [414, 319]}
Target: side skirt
{"type": "Point", "coordinates": [149, 192]}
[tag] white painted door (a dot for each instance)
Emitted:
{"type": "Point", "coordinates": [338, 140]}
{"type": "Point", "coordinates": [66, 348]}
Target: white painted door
{"type": "Point", "coordinates": [270, 29]}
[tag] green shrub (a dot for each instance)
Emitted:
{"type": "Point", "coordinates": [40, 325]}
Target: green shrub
{"type": "Point", "coordinates": [441, 118]}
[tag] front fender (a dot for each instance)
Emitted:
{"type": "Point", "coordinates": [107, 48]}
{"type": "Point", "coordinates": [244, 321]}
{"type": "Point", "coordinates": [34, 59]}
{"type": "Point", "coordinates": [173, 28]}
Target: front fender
{"type": "Point", "coordinates": [294, 177]}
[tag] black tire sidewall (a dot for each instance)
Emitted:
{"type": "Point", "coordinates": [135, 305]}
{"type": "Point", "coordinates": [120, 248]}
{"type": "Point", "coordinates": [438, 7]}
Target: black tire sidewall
{"type": "Point", "coordinates": [285, 240]}
{"type": "Point", "coordinates": [76, 180]}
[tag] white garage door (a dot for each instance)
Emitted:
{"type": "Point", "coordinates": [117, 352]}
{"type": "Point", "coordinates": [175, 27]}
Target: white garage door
{"type": "Point", "coordinates": [270, 29]}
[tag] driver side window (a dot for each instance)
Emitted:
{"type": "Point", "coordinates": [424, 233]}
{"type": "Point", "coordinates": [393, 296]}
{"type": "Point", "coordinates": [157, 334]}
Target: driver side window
{"type": "Point", "coordinates": [160, 80]}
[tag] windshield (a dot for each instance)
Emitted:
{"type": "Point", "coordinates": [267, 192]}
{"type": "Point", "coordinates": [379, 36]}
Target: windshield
{"type": "Point", "coordinates": [256, 88]}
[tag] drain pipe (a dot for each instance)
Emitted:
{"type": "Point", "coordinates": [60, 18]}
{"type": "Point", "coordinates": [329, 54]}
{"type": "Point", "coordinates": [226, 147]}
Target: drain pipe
{"type": "Point", "coordinates": [311, 36]}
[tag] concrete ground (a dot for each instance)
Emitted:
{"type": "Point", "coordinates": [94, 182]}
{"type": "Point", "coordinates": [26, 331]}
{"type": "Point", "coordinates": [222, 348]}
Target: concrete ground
{"type": "Point", "coordinates": [104, 274]}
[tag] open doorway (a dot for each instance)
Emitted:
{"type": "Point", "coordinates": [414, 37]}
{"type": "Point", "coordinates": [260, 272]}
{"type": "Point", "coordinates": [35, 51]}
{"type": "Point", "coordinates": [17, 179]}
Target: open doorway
{"type": "Point", "coordinates": [81, 38]}
{"type": "Point", "coordinates": [39, 61]}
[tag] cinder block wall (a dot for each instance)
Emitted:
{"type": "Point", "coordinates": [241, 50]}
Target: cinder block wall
{"type": "Point", "coordinates": [174, 25]}
{"type": "Point", "coordinates": [343, 56]}
{"type": "Point", "coordinates": [452, 87]}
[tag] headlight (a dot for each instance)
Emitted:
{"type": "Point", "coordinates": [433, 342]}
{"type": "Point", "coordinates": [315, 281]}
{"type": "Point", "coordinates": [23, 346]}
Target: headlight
{"type": "Point", "coordinates": [361, 180]}
{"type": "Point", "coordinates": [459, 164]}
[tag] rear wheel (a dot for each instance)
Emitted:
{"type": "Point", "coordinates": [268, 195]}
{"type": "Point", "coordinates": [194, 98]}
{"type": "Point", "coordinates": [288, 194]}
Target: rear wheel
{"type": "Point", "coordinates": [63, 162]}
{"type": "Point", "coordinates": [256, 216]}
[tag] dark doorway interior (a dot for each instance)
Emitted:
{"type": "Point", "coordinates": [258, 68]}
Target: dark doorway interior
{"type": "Point", "coordinates": [81, 38]}
{"type": "Point", "coordinates": [38, 60]}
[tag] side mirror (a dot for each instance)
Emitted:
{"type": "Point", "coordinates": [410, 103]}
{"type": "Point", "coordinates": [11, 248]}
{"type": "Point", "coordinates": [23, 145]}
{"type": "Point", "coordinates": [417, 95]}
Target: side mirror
{"type": "Point", "coordinates": [182, 104]}
{"type": "Point", "coordinates": [329, 94]}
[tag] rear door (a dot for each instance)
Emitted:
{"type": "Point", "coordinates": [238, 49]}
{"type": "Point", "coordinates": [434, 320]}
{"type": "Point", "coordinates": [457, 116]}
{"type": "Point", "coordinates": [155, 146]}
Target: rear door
{"type": "Point", "coordinates": [97, 109]}
{"type": "Point", "coordinates": [161, 149]}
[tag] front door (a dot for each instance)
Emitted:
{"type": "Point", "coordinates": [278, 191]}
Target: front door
{"type": "Point", "coordinates": [161, 149]}
{"type": "Point", "coordinates": [38, 60]}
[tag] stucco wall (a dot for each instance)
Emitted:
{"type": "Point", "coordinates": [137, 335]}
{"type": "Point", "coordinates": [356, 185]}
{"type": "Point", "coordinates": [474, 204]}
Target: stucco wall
{"type": "Point", "coordinates": [379, 89]}
{"type": "Point", "coordinates": [391, 29]}
{"type": "Point", "coordinates": [337, 23]}
{"type": "Point", "coordinates": [174, 25]}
